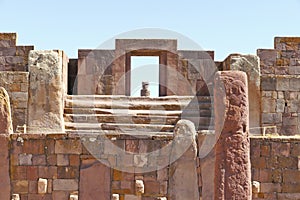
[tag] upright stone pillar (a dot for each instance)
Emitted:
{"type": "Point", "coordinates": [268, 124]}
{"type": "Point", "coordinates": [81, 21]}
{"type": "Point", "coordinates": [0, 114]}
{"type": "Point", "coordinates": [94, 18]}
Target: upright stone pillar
{"type": "Point", "coordinates": [5, 113]}
{"type": "Point", "coordinates": [232, 165]}
{"type": "Point", "coordinates": [183, 183]}
{"type": "Point", "coordinates": [45, 95]}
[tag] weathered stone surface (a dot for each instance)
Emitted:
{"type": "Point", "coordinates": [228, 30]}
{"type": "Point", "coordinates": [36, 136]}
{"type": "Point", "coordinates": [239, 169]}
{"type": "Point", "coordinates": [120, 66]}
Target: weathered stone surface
{"type": "Point", "coordinates": [65, 184]}
{"type": "Point", "coordinates": [139, 187]}
{"type": "Point", "coordinates": [73, 197]}
{"type": "Point", "coordinates": [94, 177]}
{"type": "Point", "coordinates": [233, 145]}
{"type": "Point", "coordinates": [250, 65]}
{"type": "Point", "coordinates": [183, 185]}
{"type": "Point", "coordinates": [42, 186]}
{"type": "Point", "coordinates": [115, 197]}
{"type": "Point", "coordinates": [5, 186]}
{"type": "Point", "coordinates": [5, 113]}
{"type": "Point", "coordinates": [15, 197]}
{"type": "Point", "coordinates": [46, 89]}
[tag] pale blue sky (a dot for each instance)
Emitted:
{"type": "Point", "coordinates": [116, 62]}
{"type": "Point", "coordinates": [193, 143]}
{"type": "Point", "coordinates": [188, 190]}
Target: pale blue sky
{"type": "Point", "coordinates": [223, 26]}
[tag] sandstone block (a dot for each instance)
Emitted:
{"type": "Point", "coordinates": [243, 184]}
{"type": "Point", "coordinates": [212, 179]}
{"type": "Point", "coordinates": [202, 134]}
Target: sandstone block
{"type": "Point", "coordinates": [20, 187]}
{"type": "Point", "coordinates": [62, 160]}
{"type": "Point", "coordinates": [270, 187]}
{"type": "Point", "coordinates": [271, 118]}
{"type": "Point", "coordinates": [42, 186]}
{"type": "Point", "coordinates": [68, 147]}
{"type": "Point", "coordinates": [5, 178]}
{"type": "Point", "coordinates": [46, 90]}
{"type": "Point", "coordinates": [255, 187]}
{"type": "Point", "coordinates": [15, 197]}
{"type": "Point", "coordinates": [73, 197]}
{"type": "Point", "coordinates": [25, 159]}
{"type": "Point", "coordinates": [5, 113]}
{"type": "Point", "coordinates": [65, 184]}
{"type": "Point", "coordinates": [139, 187]}
{"type": "Point", "coordinates": [232, 127]}
{"type": "Point", "coordinates": [268, 105]}
{"type": "Point", "coordinates": [268, 83]}
{"type": "Point", "coordinates": [94, 177]}
{"type": "Point", "coordinates": [115, 197]}
{"type": "Point", "coordinates": [131, 197]}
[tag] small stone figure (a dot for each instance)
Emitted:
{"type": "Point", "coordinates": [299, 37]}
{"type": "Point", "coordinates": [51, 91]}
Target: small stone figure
{"type": "Point", "coordinates": [145, 92]}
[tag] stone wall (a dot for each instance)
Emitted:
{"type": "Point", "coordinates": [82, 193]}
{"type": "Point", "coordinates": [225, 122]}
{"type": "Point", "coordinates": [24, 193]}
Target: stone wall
{"type": "Point", "coordinates": [16, 84]}
{"type": "Point", "coordinates": [12, 57]}
{"type": "Point", "coordinates": [275, 165]}
{"type": "Point", "coordinates": [68, 167]}
{"type": "Point", "coordinates": [65, 167]}
{"type": "Point", "coordinates": [280, 85]}
{"type": "Point", "coordinates": [14, 76]}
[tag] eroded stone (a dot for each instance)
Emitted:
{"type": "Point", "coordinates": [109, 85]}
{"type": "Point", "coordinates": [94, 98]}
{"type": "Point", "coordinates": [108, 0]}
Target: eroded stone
{"type": "Point", "coordinates": [233, 147]}
{"type": "Point", "coordinates": [5, 113]}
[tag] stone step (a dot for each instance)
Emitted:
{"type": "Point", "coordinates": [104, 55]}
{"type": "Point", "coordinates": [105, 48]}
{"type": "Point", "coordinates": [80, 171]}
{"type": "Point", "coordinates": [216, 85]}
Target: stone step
{"type": "Point", "coordinates": [135, 103]}
{"type": "Point", "coordinates": [122, 111]}
{"type": "Point", "coordinates": [124, 119]}
{"type": "Point", "coordinates": [130, 119]}
{"type": "Point", "coordinates": [118, 133]}
{"type": "Point", "coordinates": [122, 127]}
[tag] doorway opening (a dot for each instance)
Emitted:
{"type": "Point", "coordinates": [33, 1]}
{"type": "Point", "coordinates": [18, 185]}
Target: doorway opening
{"type": "Point", "coordinates": [144, 69]}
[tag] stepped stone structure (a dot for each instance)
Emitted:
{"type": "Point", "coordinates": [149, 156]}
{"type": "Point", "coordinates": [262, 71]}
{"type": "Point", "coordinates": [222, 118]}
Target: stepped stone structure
{"type": "Point", "coordinates": [218, 130]}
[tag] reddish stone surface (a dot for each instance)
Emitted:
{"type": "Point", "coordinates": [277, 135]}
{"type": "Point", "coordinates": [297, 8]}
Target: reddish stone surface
{"type": "Point", "coordinates": [232, 166]}
{"type": "Point", "coordinates": [94, 180]}
{"type": "Point", "coordinates": [4, 169]}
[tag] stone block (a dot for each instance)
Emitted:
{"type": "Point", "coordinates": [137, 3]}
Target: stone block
{"type": "Point", "coordinates": [65, 184]}
{"type": "Point", "coordinates": [25, 159]}
{"type": "Point", "coordinates": [67, 172]}
{"type": "Point", "coordinates": [286, 121]}
{"type": "Point", "coordinates": [15, 197]}
{"type": "Point", "coordinates": [32, 173]}
{"type": "Point", "coordinates": [267, 57]}
{"type": "Point", "coordinates": [294, 70]}
{"type": "Point", "coordinates": [68, 146]}
{"type": "Point", "coordinates": [42, 186]}
{"type": "Point", "coordinates": [115, 197]}
{"type": "Point", "coordinates": [139, 187]}
{"type": "Point", "coordinates": [5, 186]}
{"type": "Point", "coordinates": [20, 187]}
{"type": "Point", "coordinates": [290, 187]}
{"type": "Point", "coordinates": [282, 83]}
{"type": "Point", "coordinates": [255, 187]}
{"type": "Point", "coordinates": [62, 160]}
{"type": "Point", "coordinates": [46, 90]}
{"type": "Point", "coordinates": [294, 84]}
{"type": "Point", "coordinates": [291, 176]}
{"type": "Point", "coordinates": [130, 197]}
{"type": "Point", "coordinates": [94, 177]}
{"type": "Point", "coordinates": [288, 196]}
{"type": "Point", "coordinates": [280, 149]}
{"type": "Point", "coordinates": [280, 105]}
{"type": "Point", "coordinates": [73, 197]}
{"type": "Point", "coordinates": [268, 105]}
{"type": "Point", "coordinates": [39, 160]}
{"type": "Point", "coordinates": [49, 172]}
{"type": "Point", "coordinates": [268, 83]}
{"type": "Point", "coordinates": [270, 187]}
{"type": "Point", "coordinates": [271, 118]}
